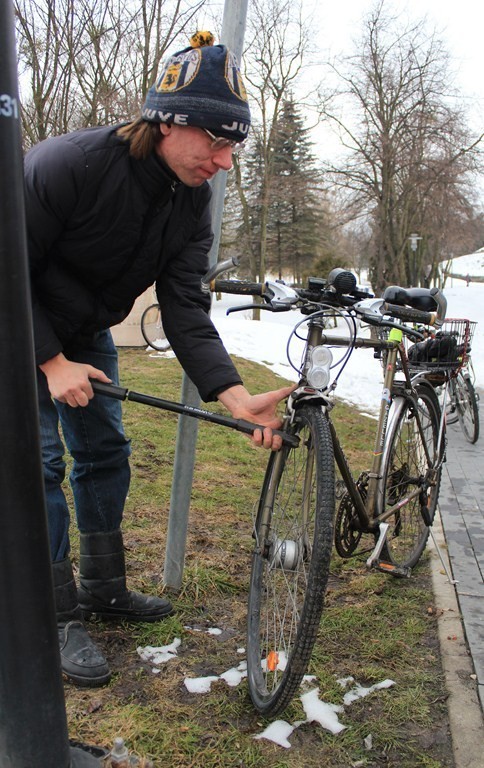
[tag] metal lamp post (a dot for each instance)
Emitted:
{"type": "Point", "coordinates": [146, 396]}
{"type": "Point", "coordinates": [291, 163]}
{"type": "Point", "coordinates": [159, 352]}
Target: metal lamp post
{"type": "Point", "coordinates": [414, 238]}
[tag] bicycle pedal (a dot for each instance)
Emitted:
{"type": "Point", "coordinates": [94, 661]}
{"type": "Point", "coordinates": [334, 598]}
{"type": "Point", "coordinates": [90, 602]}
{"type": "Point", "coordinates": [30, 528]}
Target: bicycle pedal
{"type": "Point", "coordinates": [398, 571]}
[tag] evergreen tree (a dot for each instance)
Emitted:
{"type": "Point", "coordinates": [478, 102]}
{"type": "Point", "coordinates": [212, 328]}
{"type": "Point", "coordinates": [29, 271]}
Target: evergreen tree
{"type": "Point", "coordinates": [296, 227]}
{"type": "Point", "coordinates": [296, 222]}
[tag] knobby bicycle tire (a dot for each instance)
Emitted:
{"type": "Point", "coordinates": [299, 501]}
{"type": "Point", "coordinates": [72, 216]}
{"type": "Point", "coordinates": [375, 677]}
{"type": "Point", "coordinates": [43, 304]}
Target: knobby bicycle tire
{"type": "Point", "coordinates": [290, 564]}
{"type": "Point", "coordinates": [404, 465]}
{"type": "Point", "coordinates": [466, 407]}
{"type": "Point", "coordinates": [152, 328]}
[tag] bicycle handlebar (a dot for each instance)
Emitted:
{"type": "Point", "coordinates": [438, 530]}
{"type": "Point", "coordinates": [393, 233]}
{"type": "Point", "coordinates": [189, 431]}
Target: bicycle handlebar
{"type": "Point", "coordinates": [217, 269]}
{"type": "Point", "coordinates": [280, 297]}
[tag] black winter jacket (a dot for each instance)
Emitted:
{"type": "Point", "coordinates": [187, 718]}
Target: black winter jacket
{"type": "Point", "coordinates": [102, 227]}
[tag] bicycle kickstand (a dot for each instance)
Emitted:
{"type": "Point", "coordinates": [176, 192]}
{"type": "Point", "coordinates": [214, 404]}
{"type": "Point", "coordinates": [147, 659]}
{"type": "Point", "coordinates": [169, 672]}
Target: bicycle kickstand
{"type": "Point", "coordinates": [444, 564]}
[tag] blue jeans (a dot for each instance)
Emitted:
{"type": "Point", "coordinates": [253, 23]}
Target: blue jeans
{"type": "Point", "coordinates": [95, 438]}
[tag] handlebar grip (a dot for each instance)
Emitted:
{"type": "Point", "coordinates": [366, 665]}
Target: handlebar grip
{"type": "Point", "coordinates": [407, 314]}
{"type": "Point", "coordinates": [111, 390]}
{"type": "Point", "coordinates": [241, 287]}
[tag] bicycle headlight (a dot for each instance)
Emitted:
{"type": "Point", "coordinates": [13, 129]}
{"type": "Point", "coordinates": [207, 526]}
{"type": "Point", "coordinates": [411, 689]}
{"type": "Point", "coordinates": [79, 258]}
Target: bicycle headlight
{"type": "Point", "coordinates": [318, 375]}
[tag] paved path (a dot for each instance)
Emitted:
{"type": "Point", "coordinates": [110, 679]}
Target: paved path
{"type": "Point", "coordinates": [461, 504]}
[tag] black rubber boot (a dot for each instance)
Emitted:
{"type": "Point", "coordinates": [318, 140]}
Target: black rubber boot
{"type": "Point", "coordinates": [102, 578]}
{"type": "Point", "coordinates": [81, 660]}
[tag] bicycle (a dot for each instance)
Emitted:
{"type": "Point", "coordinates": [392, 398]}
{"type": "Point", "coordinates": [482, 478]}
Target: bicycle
{"type": "Point", "coordinates": [392, 504]}
{"type": "Point", "coordinates": [463, 405]}
{"type": "Point", "coordinates": [152, 328]}
{"type": "Point", "coordinates": [444, 359]}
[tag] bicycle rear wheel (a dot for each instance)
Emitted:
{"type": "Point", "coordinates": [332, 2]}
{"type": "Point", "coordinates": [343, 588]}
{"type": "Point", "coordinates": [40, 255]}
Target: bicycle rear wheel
{"type": "Point", "coordinates": [466, 407]}
{"type": "Point", "coordinates": [290, 565]}
{"type": "Point", "coordinates": [152, 328]}
{"type": "Point", "coordinates": [405, 470]}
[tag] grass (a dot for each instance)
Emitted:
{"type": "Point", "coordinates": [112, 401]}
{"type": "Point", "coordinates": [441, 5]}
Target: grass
{"type": "Point", "coordinates": [373, 628]}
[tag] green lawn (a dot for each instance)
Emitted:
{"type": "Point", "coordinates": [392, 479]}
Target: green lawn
{"type": "Point", "coordinates": [373, 628]}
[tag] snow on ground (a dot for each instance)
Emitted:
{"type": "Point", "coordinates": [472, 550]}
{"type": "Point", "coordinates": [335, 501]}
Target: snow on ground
{"type": "Point", "coordinates": [315, 709]}
{"type": "Point", "coordinates": [265, 341]}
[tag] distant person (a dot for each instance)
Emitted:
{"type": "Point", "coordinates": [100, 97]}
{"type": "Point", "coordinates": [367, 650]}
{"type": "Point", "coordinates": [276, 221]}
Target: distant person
{"type": "Point", "coordinates": [111, 210]}
{"type": "Point", "coordinates": [468, 280]}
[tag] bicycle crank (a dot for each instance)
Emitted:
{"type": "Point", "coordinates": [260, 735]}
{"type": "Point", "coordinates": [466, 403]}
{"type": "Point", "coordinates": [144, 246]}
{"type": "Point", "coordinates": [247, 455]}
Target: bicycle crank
{"type": "Point", "coordinates": [347, 530]}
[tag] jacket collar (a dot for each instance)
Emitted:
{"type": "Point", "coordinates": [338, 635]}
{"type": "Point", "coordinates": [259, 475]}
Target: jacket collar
{"type": "Point", "coordinates": [154, 175]}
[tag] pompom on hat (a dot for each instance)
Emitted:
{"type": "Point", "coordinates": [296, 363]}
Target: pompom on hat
{"type": "Point", "coordinates": [201, 86]}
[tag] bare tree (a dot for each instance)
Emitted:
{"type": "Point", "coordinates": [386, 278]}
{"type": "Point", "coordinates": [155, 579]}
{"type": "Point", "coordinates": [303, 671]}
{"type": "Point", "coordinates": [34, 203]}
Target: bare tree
{"type": "Point", "coordinates": [278, 39]}
{"type": "Point", "coordinates": [407, 144]}
{"type": "Point", "coordinates": [85, 62]}
{"type": "Point", "coordinates": [44, 31]}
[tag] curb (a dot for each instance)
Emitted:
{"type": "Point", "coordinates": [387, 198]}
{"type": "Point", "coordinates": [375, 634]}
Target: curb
{"type": "Point", "coordinates": [465, 713]}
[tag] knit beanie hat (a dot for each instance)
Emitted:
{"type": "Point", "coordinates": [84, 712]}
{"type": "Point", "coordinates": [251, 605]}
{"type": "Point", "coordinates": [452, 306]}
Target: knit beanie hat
{"type": "Point", "coordinates": [201, 86]}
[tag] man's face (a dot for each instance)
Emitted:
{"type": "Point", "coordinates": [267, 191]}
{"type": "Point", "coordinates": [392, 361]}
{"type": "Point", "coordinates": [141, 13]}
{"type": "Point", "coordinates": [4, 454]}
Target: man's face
{"type": "Point", "coordinates": [187, 151]}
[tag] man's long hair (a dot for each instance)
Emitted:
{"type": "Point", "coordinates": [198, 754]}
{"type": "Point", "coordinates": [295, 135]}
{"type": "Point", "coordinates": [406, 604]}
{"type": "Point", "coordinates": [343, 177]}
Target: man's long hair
{"type": "Point", "coordinates": [142, 137]}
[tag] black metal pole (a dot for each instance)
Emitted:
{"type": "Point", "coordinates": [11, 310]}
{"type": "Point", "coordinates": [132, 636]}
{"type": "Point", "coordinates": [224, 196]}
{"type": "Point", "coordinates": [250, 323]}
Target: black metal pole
{"type": "Point", "coordinates": [33, 726]}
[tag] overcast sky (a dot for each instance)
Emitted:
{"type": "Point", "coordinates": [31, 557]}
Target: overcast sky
{"type": "Point", "coordinates": [460, 25]}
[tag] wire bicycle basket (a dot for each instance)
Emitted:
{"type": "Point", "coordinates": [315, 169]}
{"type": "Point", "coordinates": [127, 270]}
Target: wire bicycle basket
{"type": "Point", "coordinates": [445, 352]}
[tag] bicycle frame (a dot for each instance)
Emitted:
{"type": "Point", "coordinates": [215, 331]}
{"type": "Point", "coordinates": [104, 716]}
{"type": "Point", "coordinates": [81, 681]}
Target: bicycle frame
{"type": "Point", "coordinates": [369, 509]}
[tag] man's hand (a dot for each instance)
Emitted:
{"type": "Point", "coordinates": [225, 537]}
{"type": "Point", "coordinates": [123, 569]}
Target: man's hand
{"type": "Point", "coordinates": [260, 409]}
{"type": "Point", "coordinates": [69, 382]}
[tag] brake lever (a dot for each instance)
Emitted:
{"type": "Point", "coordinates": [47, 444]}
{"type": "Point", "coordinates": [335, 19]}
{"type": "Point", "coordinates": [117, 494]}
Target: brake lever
{"type": "Point", "coordinates": [368, 311]}
{"type": "Point", "coordinates": [410, 332]}
{"type": "Point", "coordinates": [266, 307]}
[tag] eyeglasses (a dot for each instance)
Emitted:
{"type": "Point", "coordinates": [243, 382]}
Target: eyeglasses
{"type": "Point", "coordinates": [220, 142]}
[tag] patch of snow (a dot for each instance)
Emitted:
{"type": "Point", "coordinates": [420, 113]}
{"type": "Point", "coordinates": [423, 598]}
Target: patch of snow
{"type": "Point", "coordinates": [359, 692]}
{"type": "Point", "coordinates": [200, 684]}
{"type": "Point", "coordinates": [320, 712]}
{"type": "Point", "coordinates": [161, 654]}
{"type": "Point", "coordinates": [278, 732]}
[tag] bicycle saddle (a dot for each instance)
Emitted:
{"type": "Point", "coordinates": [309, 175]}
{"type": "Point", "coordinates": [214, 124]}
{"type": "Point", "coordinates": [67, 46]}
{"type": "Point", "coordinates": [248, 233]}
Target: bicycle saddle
{"type": "Point", "coordinates": [417, 298]}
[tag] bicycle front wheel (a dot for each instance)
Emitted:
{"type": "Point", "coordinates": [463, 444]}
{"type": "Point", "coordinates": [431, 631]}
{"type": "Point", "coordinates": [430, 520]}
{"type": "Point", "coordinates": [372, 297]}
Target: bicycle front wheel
{"type": "Point", "coordinates": [466, 407]}
{"type": "Point", "coordinates": [152, 328]}
{"type": "Point", "coordinates": [411, 475]}
{"type": "Point", "coordinates": [290, 565]}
